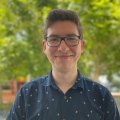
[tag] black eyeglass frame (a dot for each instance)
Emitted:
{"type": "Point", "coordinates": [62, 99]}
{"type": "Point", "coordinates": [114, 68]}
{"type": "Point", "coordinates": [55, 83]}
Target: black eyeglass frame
{"type": "Point", "coordinates": [64, 39]}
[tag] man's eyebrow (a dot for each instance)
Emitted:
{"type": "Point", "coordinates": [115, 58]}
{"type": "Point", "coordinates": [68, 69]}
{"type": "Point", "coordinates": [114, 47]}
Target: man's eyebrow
{"type": "Point", "coordinates": [71, 35]}
{"type": "Point", "coordinates": [53, 35]}
{"type": "Point", "coordinates": [56, 35]}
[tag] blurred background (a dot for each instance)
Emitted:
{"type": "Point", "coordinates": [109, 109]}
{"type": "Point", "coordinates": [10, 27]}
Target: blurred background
{"type": "Point", "coordinates": [21, 34]}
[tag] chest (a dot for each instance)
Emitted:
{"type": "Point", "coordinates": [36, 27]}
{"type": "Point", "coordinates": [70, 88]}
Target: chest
{"type": "Point", "coordinates": [57, 106]}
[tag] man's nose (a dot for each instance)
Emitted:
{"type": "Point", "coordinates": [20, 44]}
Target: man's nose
{"type": "Point", "coordinates": [63, 45]}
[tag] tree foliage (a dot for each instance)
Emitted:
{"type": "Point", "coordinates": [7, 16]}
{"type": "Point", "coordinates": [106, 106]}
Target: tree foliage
{"type": "Point", "coordinates": [21, 25]}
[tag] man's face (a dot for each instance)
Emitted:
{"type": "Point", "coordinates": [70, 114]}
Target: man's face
{"type": "Point", "coordinates": [63, 57]}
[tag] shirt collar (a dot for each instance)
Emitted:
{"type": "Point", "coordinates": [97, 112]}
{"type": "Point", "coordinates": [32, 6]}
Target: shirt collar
{"type": "Point", "coordinates": [78, 84]}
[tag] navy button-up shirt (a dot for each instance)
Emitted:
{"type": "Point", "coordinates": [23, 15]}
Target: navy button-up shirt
{"type": "Point", "coordinates": [41, 99]}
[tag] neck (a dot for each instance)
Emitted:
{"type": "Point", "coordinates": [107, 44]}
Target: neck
{"type": "Point", "coordinates": [64, 79]}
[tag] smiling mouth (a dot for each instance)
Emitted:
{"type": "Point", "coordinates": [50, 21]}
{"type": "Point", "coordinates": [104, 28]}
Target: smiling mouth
{"type": "Point", "coordinates": [64, 56]}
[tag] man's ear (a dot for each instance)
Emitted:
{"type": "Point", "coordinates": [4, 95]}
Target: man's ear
{"type": "Point", "coordinates": [44, 46]}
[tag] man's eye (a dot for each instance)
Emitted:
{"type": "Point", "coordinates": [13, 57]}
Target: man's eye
{"type": "Point", "coordinates": [53, 39]}
{"type": "Point", "coordinates": [71, 38]}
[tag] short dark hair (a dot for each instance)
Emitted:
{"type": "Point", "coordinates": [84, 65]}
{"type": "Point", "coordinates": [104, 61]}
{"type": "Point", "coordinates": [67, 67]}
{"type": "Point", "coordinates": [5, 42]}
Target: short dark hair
{"type": "Point", "coordinates": [62, 15]}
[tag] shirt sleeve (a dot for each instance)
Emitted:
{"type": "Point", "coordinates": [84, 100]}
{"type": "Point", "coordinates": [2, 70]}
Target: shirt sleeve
{"type": "Point", "coordinates": [17, 111]}
{"type": "Point", "coordinates": [111, 111]}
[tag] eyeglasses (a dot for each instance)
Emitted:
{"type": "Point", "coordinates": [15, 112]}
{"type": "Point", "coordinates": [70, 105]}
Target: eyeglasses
{"type": "Point", "coordinates": [55, 41]}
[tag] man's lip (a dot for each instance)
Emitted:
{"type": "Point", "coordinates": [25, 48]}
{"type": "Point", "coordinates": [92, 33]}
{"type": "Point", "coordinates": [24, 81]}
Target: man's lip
{"type": "Point", "coordinates": [63, 55]}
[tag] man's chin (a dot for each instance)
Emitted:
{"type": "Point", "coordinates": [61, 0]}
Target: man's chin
{"type": "Point", "coordinates": [64, 67]}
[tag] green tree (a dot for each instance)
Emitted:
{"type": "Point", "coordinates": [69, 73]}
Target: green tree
{"type": "Point", "coordinates": [101, 29]}
{"type": "Point", "coordinates": [21, 25]}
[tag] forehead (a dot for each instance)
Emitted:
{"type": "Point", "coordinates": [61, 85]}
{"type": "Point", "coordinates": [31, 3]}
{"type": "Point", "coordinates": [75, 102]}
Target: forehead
{"type": "Point", "coordinates": [62, 28]}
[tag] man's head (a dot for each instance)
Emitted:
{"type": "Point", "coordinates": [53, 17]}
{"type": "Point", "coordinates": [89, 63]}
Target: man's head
{"type": "Point", "coordinates": [62, 15]}
{"type": "Point", "coordinates": [63, 41]}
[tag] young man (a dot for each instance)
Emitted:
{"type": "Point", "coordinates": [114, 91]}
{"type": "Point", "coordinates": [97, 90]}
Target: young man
{"type": "Point", "coordinates": [64, 94]}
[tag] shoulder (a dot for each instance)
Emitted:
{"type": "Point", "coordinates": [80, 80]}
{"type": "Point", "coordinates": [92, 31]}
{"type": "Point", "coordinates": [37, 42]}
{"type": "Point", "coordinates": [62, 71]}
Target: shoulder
{"type": "Point", "coordinates": [98, 94]}
{"type": "Point", "coordinates": [36, 83]}
{"type": "Point", "coordinates": [95, 87]}
{"type": "Point", "coordinates": [101, 98]}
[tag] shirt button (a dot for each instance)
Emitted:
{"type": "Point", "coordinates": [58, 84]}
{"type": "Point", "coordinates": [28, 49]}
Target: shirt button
{"type": "Point", "coordinates": [63, 119]}
{"type": "Point", "coordinates": [67, 101]}
{"type": "Point", "coordinates": [70, 97]}
{"type": "Point", "coordinates": [76, 111]}
{"type": "Point", "coordinates": [58, 114]}
{"type": "Point", "coordinates": [65, 97]}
